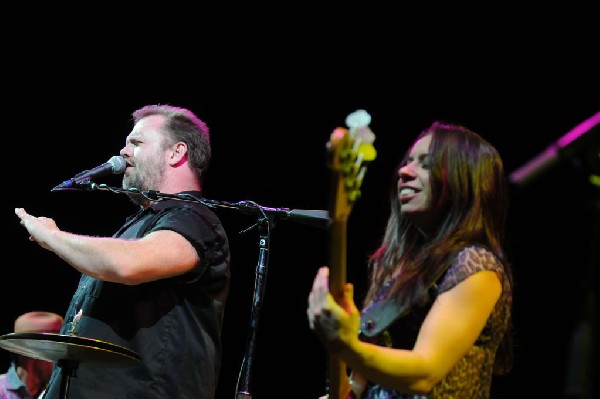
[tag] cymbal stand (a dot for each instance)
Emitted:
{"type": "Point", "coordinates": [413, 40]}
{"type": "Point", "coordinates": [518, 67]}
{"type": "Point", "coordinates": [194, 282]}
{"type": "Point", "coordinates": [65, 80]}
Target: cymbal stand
{"type": "Point", "coordinates": [67, 370]}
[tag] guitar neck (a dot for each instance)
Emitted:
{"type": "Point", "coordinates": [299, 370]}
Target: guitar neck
{"type": "Point", "coordinates": [337, 258]}
{"type": "Point", "coordinates": [337, 278]}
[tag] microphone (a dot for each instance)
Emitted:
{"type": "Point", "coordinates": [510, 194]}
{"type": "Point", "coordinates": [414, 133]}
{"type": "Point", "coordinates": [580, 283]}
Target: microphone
{"type": "Point", "coordinates": [114, 165]}
{"type": "Point", "coordinates": [581, 137]}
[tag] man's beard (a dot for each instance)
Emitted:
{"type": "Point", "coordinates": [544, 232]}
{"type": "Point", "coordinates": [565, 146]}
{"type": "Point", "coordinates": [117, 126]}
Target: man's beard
{"type": "Point", "coordinates": [146, 176]}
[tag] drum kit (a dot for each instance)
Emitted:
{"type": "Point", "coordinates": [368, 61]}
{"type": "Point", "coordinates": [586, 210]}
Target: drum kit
{"type": "Point", "coordinates": [68, 351]}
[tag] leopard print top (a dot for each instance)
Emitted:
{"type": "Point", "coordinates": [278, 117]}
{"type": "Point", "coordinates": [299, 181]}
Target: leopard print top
{"type": "Point", "coordinates": [471, 377]}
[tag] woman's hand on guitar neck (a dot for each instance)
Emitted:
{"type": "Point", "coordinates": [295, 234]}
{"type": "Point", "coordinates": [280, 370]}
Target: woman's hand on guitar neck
{"type": "Point", "coordinates": [335, 323]}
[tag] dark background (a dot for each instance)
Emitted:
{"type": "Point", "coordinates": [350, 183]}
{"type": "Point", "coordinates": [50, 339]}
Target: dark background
{"type": "Point", "coordinates": [271, 100]}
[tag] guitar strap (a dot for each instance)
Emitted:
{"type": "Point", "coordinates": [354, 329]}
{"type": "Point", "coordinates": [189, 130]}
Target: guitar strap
{"type": "Point", "coordinates": [378, 316]}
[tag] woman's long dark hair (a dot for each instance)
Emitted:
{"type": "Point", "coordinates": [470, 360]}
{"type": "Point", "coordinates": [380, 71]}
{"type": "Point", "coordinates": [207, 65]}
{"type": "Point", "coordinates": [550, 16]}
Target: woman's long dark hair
{"type": "Point", "coordinates": [470, 206]}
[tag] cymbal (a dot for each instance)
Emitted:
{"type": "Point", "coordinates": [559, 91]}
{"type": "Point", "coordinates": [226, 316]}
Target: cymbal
{"type": "Point", "coordinates": [57, 347]}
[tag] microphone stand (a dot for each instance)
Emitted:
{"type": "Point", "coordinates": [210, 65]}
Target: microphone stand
{"type": "Point", "coordinates": [266, 220]}
{"type": "Point", "coordinates": [264, 227]}
{"type": "Point", "coordinates": [582, 143]}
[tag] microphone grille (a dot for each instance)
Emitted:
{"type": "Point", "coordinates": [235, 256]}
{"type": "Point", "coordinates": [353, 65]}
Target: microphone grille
{"type": "Point", "coordinates": [118, 164]}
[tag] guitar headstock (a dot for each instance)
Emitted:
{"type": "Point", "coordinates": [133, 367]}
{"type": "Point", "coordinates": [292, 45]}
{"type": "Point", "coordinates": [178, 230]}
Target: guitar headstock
{"type": "Point", "coordinates": [349, 151]}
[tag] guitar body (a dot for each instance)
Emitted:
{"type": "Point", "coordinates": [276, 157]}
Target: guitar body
{"type": "Point", "coordinates": [349, 150]}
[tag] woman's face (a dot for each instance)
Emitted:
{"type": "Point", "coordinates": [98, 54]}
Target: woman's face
{"type": "Point", "coordinates": [414, 188]}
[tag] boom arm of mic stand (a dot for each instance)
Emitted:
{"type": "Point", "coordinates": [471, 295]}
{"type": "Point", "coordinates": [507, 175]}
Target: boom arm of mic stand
{"type": "Point", "coordinates": [314, 218]}
{"type": "Point", "coordinates": [311, 217]}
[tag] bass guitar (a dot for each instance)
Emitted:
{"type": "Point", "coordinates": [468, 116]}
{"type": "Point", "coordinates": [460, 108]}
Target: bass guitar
{"type": "Point", "coordinates": [349, 151]}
